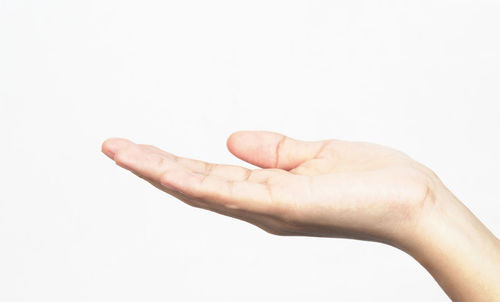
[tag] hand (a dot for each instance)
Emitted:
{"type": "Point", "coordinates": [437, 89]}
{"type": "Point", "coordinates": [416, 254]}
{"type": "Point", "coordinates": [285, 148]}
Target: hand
{"type": "Point", "coordinates": [334, 188]}
{"type": "Point", "coordinates": [325, 188]}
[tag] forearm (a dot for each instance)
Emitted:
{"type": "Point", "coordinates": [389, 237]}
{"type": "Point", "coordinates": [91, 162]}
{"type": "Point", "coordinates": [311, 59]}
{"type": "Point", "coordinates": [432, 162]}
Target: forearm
{"type": "Point", "coordinates": [458, 250]}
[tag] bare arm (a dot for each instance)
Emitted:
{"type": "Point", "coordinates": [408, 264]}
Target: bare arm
{"type": "Point", "coordinates": [458, 250]}
{"type": "Point", "coordinates": [334, 188]}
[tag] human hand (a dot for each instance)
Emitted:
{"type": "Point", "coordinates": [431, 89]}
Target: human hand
{"type": "Point", "coordinates": [327, 188]}
{"type": "Point", "coordinates": [333, 188]}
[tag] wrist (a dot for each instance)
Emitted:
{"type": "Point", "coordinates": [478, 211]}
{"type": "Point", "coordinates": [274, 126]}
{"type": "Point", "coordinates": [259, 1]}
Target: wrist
{"type": "Point", "coordinates": [456, 248]}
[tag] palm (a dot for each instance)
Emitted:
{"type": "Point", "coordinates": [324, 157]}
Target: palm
{"type": "Point", "coordinates": [325, 188]}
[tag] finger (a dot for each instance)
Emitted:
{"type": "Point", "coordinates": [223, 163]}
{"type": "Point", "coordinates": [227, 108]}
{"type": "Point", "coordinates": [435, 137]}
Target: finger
{"type": "Point", "coordinates": [112, 145]}
{"type": "Point", "coordinates": [273, 150]}
{"type": "Point", "coordinates": [151, 162]}
{"type": "Point", "coordinates": [143, 163]}
{"type": "Point", "coordinates": [264, 220]}
{"type": "Point", "coordinates": [230, 172]}
{"type": "Point", "coordinates": [233, 195]}
{"type": "Point", "coordinates": [223, 185]}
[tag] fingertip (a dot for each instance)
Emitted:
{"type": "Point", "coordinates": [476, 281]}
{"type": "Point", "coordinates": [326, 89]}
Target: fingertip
{"type": "Point", "coordinates": [239, 140]}
{"type": "Point", "coordinates": [233, 139]}
{"type": "Point", "coordinates": [111, 145]}
{"type": "Point", "coordinates": [256, 147]}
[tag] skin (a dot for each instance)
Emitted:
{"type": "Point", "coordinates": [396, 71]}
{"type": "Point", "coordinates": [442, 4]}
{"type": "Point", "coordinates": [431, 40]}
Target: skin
{"type": "Point", "coordinates": [333, 188]}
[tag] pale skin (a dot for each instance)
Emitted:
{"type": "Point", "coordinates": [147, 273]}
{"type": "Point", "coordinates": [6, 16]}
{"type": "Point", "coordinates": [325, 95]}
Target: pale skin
{"type": "Point", "coordinates": [333, 188]}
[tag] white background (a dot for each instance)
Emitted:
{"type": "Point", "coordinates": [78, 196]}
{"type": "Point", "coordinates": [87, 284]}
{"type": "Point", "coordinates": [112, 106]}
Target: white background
{"type": "Point", "coordinates": [419, 76]}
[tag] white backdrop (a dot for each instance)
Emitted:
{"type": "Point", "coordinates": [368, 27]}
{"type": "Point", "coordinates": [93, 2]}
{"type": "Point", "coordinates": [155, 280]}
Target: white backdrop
{"type": "Point", "coordinates": [419, 76]}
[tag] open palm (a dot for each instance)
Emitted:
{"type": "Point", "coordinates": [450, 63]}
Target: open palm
{"type": "Point", "coordinates": [328, 188]}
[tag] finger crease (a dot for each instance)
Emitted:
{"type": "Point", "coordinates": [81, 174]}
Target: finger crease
{"type": "Point", "coordinates": [247, 175]}
{"type": "Point", "coordinates": [321, 149]}
{"type": "Point", "coordinates": [161, 161]}
{"type": "Point", "coordinates": [209, 168]}
{"type": "Point", "coordinates": [202, 181]}
{"type": "Point", "coordinates": [278, 149]}
{"type": "Point", "coordinates": [268, 189]}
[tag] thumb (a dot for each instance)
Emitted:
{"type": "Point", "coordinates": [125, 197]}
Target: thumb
{"type": "Point", "coordinates": [267, 149]}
